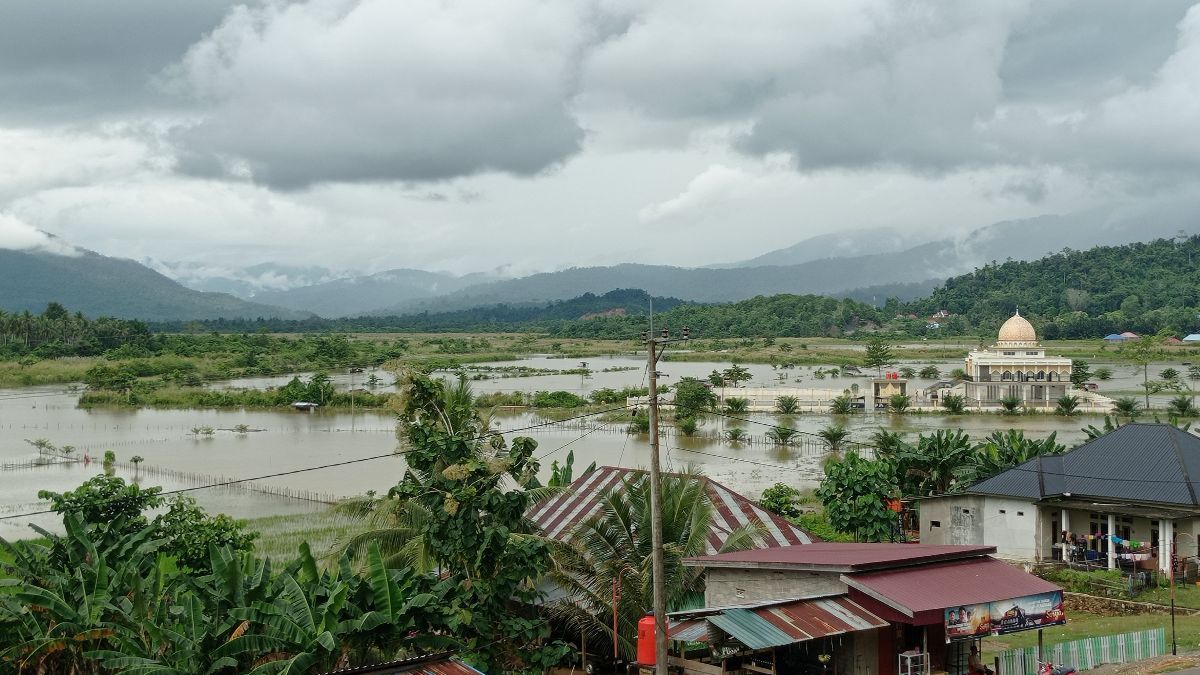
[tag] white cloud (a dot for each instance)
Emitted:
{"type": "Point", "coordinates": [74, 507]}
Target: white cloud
{"type": "Point", "coordinates": [18, 235]}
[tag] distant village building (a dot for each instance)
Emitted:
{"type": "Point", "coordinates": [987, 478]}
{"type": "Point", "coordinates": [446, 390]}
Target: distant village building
{"type": "Point", "coordinates": [1016, 365]}
{"type": "Point", "coordinates": [1194, 337]}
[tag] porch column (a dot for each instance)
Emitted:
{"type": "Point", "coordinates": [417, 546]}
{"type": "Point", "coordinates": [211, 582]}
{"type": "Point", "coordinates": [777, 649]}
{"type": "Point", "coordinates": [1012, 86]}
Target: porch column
{"type": "Point", "coordinates": [1112, 550]}
{"type": "Point", "coordinates": [1164, 546]}
{"type": "Point", "coordinates": [1065, 522]}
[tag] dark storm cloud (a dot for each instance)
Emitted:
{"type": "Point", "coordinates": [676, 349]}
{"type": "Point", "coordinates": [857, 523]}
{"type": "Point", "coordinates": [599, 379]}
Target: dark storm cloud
{"type": "Point", "coordinates": [64, 61]}
{"type": "Point", "coordinates": [376, 90]}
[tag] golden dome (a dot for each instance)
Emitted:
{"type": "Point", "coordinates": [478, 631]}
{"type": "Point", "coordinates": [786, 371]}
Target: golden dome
{"type": "Point", "coordinates": [1017, 329]}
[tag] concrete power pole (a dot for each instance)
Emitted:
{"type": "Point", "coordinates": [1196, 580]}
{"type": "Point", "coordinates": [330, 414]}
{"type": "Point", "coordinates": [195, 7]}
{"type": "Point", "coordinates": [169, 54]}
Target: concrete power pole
{"type": "Point", "coordinates": [658, 560]}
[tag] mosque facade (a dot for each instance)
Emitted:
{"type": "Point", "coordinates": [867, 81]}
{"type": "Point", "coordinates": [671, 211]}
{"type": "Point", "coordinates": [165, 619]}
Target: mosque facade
{"type": "Point", "coordinates": [1016, 365]}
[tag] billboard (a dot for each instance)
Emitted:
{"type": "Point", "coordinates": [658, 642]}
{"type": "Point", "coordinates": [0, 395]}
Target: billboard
{"type": "Point", "coordinates": [968, 621]}
{"type": "Point", "coordinates": [1030, 611]}
{"type": "Point", "coordinates": [1005, 616]}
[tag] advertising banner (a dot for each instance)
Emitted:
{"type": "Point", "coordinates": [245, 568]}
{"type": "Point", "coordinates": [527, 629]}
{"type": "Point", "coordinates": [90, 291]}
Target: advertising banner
{"type": "Point", "coordinates": [1028, 612]}
{"type": "Point", "coordinates": [1005, 616]}
{"type": "Point", "coordinates": [968, 621]}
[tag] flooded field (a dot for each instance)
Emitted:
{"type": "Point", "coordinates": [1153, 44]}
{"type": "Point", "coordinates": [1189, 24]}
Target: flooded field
{"type": "Point", "coordinates": [286, 440]}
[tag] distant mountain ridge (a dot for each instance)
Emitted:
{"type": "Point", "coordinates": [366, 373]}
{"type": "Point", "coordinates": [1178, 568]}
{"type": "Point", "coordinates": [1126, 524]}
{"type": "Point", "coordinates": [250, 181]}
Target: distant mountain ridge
{"type": "Point", "coordinates": [98, 285]}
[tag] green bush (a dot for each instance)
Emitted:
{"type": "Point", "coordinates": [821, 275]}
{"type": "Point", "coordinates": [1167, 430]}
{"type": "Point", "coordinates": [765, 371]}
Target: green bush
{"type": "Point", "coordinates": [558, 399]}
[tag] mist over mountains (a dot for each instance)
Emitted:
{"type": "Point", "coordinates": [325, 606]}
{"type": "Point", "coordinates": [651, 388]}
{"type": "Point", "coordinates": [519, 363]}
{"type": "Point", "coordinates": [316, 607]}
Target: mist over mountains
{"type": "Point", "coordinates": [867, 265]}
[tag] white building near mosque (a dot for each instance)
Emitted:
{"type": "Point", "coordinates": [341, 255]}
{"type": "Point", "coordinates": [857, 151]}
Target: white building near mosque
{"type": "Point", "coordinates": [1016, 365]}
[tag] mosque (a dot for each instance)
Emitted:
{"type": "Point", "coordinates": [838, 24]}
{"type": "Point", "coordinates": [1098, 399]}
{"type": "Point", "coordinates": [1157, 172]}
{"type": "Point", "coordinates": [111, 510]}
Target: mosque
{"type": "Point", "coordinates": [1016, 366]}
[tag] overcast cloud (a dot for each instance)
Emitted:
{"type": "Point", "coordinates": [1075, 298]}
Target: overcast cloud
{"type": "Point", "coordinates": [532, 135]}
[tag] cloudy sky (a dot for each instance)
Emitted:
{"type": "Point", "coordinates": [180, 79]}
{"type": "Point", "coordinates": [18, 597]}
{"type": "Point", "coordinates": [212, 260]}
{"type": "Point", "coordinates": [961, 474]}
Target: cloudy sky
{"type": "Point", "coordinates": [464, 136]}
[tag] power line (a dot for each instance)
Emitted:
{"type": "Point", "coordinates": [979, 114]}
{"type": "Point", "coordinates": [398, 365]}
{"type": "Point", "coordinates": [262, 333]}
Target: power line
{"type": "Point", "coordinates": [332, 464]}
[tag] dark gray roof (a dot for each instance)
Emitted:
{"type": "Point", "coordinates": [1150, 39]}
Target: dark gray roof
{"type": "Point", "coordinates": [1151, 463]}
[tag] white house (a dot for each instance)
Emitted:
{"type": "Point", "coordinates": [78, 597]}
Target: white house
{"type": "Point", "coordinates": [1138, 483]}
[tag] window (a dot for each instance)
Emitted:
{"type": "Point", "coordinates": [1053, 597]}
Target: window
{"type": "Point", "coordinates": [967, 511]}
{"type": "Point", "coordinates": [1020, 513]}
{"type": "Point", "coordinates": [1010, 353]}
{"type": "Point", "coordinates": [1003, 511]}
{"type": "Point", "coordinates": [1031, 353]}
{"type": "Point", "coordinates": [934, 523]}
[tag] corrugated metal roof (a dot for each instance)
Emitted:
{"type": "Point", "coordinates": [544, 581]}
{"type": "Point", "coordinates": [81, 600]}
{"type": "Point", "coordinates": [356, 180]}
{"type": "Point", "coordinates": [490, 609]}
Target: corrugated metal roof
{"type": "Point", "coordinates": [559, 516]}
{"type": "Point", "coordinates": [785, 623]}
{"type": "Point", "coordinates": [1153, 463]}
{"type": "Point", "coordinates": [913, 590]}
{"type": "Point", "coordinates": [432, 664]}
{"type": "Point", "coordinates": [688, 630]}
{"type": "Point", "coordinates": [839, 556]}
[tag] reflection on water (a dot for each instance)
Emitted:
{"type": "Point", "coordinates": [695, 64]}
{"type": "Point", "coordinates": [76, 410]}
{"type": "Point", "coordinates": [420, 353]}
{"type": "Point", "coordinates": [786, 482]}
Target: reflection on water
{"type": "Point", "coordinates": [292, 440]}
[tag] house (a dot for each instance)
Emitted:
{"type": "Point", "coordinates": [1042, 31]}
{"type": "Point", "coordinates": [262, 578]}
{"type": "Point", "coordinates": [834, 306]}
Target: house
{"type": "Point", "coordinates": [1194, 337]}
{"type": "Point", "coordinates": [1129, 335]}
{"type": "Point", "coordinates": [1172, 341]}
{"type": "Point", "coordinates": [1114, 337]}
{"type": "Point", "coordinates": [431, 664]}
{"type": "Point", "coordinates": [1136, 487]}
{"type": "Point", "coordinates": [560, 516]}
{"type": "Point", "coordinates": [855, 608]}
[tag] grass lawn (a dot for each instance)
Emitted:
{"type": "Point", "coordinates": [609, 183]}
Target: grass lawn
{"type": "Point", "coordinates": [1082, 625]}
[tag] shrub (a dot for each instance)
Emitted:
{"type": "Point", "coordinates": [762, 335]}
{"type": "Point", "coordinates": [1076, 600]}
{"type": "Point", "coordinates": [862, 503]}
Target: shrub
{"type": "Point", "coordinates": [929, 372]}
{"type": "Point", "coordinates": [1010, 404]}
{"type": "Point", "coordinates": [898, 403]}
{"type": "Point", "coordinates": [557, 399]}
{"type": "Point", "coordinates": [955, 404]}
{"type": "Point", "coordinates": [1182, 406]}
{"type": "Point", "coordinates": [1067, 404]}
{"type": "Point", "coordinates": [782, 499]}
{"type": "Point", "coordinates": [687, 425]}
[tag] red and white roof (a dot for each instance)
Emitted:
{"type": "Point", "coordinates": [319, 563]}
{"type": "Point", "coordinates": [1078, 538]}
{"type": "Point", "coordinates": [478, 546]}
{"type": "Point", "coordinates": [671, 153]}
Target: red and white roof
{"type": "Point", "coordinates": [560, 516]}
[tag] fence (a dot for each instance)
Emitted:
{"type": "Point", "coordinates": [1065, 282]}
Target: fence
{"type": "Point", "coordinates": [1088, 653]}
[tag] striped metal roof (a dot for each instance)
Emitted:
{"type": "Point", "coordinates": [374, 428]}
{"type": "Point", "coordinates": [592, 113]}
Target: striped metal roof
{"type": "Point", "coordinates": [688, 630]}
{"type": "Point", "coordinates": [780, 624]}
{"type": "Point", "coordinates": [559, 516]}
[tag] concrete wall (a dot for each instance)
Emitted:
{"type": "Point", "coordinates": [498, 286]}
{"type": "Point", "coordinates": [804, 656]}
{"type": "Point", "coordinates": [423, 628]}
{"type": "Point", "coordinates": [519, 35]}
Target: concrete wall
{"type": "Point", "coordinates": [729, 586]}
{"type": "Point", "coordinates": [962, 520]}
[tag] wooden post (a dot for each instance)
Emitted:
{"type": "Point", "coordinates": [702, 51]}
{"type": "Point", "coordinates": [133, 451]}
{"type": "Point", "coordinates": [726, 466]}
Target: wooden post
{"type": "Point", "coordinates": [658, 561]}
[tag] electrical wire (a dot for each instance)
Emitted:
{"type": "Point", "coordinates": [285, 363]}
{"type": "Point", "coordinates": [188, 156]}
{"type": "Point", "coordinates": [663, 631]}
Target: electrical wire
{"type": "Point", "coordinates": [330, 465]}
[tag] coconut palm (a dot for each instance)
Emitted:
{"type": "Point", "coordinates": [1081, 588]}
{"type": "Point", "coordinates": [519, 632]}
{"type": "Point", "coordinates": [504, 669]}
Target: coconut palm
{"type": "Point", "coordinates": [1182, 406]}
{"type": "Point", "coordinates": [613, 549]}
{"type": "Point", "coordinates": [898, 403]}
{"type": "Point", "coordinates": [1066, 404]}
{"type": "Point", "coordinates": [1010, 404]}
{"type": "Point", "coordinates": [736, 435]}
{"type": "Point", "coordinates": [781, 435]}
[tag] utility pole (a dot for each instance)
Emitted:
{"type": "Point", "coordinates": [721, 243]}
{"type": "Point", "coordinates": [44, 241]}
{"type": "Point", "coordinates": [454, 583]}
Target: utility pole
{"type": "Point", "coordinates": [658, 560]}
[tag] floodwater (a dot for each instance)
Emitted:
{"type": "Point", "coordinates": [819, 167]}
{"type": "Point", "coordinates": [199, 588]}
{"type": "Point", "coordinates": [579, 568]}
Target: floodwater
{"type": "Point", "coordinates": [286, 441]}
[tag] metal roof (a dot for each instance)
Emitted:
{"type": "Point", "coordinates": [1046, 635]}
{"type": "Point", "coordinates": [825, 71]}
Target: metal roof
{"type": "Point", "coordinates": [783, 623]}
{"type": "Point", "coordinates": [839, 557]}
{"type": "Point", "coordinates": [430, 664]}
{"type": "Point", "coordinates": [914, 590]}
{"type": "Point", "coordinates": [1145, 463]}
{"type": "Point", "coordinates": [560, 516]}
{"type": "Point", "coordinates": [688, 630]}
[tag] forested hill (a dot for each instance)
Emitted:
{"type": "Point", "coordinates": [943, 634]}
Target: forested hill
{"type": "Point", "coordinates": [1142, 287]}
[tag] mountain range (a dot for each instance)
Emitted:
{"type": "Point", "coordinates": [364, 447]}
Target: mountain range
{"type": "Point", "coordinates": [868, 265]}
{"type": "Point", "coordinates": [98, 285]}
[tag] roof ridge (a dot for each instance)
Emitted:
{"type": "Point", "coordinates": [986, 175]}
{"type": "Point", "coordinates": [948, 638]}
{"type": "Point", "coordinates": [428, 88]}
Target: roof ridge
{"type": "Point", "coordinates": [1174, 432]}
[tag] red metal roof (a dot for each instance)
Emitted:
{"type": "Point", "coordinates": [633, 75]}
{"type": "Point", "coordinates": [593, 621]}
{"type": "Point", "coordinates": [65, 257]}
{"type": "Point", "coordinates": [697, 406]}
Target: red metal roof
{"type": "Point", "coordinates": [840, 557]}
{"type": "Point", "coordinates": [559, 516]}
{"type": "Point", "coordinates": [932, 588]}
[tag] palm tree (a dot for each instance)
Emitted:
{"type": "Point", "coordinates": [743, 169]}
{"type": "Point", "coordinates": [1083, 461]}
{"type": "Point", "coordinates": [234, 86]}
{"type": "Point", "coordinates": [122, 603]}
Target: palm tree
{"type": "Point", "coordinates": [613, 550]}
{"type": "Point", "coordinates": [1182, 406]}
{"type": "Point", "coordinates": [842, 405]}
{"type": "Point", "coordinates": [787, 405]}
{"type": "Point", "coordinates": [781, 435]}
{"type": "Point", "coordinates": [1010, 404]}
{"type": "Point", "coordinates": [736, 406]}
{"type": "Point", "coordinates": [940, 461]}
{"type": "Point", "coordinates": [137, 463]}
{"type": "Point", "coordinates": [736, 435]}
{"type": "Point", "coordinates": [1067, 404]}
{"type": "Point", "coordinates": [898, 403]}
{"type": "Point", "coordinates": [1128, 406]}
{"type": "Point", "coordinates": [835, 436]}
{"type": "Point", "coordinates": [955, 404]}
